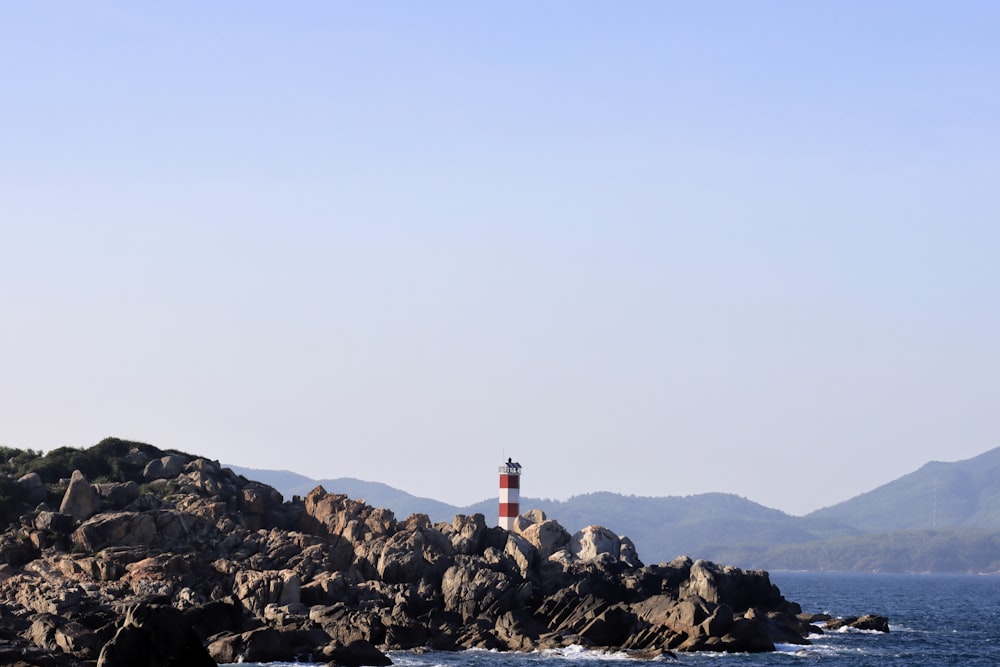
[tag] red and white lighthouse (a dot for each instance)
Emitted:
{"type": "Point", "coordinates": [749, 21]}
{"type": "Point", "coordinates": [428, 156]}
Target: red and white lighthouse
{"type": "Point", "coordinates": [510, 493]}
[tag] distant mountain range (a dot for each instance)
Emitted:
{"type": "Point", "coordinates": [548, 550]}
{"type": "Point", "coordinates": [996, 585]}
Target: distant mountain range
{"type": "Point", "coordinates": [944, 517]}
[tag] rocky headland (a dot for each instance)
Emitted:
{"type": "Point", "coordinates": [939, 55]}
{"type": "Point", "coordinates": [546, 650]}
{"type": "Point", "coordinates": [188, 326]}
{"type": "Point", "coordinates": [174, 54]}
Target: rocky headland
{"type": "Point", "coordinates": [123, 554]}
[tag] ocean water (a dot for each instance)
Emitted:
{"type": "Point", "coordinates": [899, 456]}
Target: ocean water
{"type": "Point", "coordinates": [934, 620]}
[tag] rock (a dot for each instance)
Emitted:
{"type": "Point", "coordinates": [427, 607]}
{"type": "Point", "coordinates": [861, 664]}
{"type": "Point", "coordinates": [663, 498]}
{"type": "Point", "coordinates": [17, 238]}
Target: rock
{"type": "Point", "coordinates": [55, 633]}
{"type": "Point", "coordinates": [256, 590]}
{"type": "Point", "coordinates": [259, 645]}
{"type": "Point", "coordinates": [80, 500]}
{"type": "Point", "coordinates": [210, 555]}
{"type": "Point", "coordinates": [357, 654]}
{"type": "Point", "coordinates": [154, 636]}
{"type": "Point", "coordinates": [115, 529]}
{"type": "Point", "coordinates": [628, 553]}
{"type": "Point", "coordinates": [521, 552]}
{"type": "Point", "coordinates": [401, 559]}
{"type": "Point", "coordinates": [547, 536]}
{"type": "Point", "coordinates": [468, 534]}
{"type": "Point", "coordinates": [593, 541]}
{"type": "Point", "coordinates": [871, 622]}
{"type": "Point", "coordinates": [54, 522]}
{"type": "Point", "coordinates": [740, 588]}
{"type": "Point", "coordinates": [117, 495]}
{"type": "Point", "coordinates": [136, 457]}
{"type": "Point", "coordinates": [166, 467]}
{"type": "Point", "coordinates": [471, 591]}
{"type": "Point", "coordinates": [33, 486]}
{"type": "Point", "coordinates": [518, 629]}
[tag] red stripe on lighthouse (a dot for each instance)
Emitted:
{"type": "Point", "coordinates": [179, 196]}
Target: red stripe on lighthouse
{"type": "Point", "coordinates": [510, 481]}
{"type": "Point", "coordinates": [510, 509]}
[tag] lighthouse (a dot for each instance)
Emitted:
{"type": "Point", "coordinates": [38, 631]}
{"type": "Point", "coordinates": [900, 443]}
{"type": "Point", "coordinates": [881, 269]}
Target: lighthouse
{"type": "Point", "coordinates": [510, 493]}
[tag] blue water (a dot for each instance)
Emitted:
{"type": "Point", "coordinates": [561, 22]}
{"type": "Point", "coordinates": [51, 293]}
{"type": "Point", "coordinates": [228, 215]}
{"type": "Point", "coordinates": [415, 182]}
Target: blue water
{"type": "Point", "coordinates": [935, 620]}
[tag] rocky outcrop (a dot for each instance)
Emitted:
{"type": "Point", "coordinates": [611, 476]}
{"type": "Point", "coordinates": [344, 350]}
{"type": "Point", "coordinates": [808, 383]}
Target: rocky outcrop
{"type": "Point", "coordinates": [180, 561]}
{"type": "Point", "coordinates": [154, 635]}
{"type": "Point", "coordinates": [80, 500]}
{"type": "Point", "coordinates": [870, 622]}
{"type": "Point", "coordinates": [34, 487]}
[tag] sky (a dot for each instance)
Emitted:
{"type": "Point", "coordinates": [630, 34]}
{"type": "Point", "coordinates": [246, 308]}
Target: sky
{"type": "Point", "coordinates": [654, 248]}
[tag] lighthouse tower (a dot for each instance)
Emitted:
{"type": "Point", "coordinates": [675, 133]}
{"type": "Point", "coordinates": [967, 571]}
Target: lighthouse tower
{"type": "Point", "coordinates": [510, 493]}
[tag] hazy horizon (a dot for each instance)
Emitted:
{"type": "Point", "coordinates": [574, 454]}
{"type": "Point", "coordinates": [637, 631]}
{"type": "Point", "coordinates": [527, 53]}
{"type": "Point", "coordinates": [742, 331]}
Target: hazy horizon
{"type": "Point", "coordinates": [652, 248]}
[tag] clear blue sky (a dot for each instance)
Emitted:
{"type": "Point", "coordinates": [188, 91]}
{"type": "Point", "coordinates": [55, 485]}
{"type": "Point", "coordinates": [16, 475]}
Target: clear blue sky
{"type": "Point", "coordinates": [658, 248]}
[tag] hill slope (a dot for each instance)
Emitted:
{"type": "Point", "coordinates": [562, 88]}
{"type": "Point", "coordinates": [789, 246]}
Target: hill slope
{"type": "Point", "coordinates": [963, 494]}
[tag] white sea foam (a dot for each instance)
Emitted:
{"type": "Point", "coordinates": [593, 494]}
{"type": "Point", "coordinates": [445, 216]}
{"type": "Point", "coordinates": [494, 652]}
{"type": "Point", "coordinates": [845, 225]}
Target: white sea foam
{"type": "Point", "coordinates": [577, 652]}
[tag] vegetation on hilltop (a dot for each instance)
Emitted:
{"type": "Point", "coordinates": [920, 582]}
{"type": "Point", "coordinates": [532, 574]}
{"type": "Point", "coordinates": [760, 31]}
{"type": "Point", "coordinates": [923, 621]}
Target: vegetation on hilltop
{"type": "Point", "coordinates": [103, 462]}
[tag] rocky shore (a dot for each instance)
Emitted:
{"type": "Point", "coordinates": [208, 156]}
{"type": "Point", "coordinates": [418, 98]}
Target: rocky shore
{"type": "Point", "coordinates": [165, 558]}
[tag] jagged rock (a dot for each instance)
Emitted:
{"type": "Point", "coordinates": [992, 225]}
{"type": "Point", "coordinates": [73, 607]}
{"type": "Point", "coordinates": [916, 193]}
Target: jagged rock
{"type": "Point", "coordinates": [358, 653]}
{"type": "Point", "coordinates": [528, 519]}
{"type": "Point", "coordinates": [55, 633]}
{"type": "Point", "coordinates": [165, 467]}
{"type": "Point", "coordinates": [470, 591]}
{"type": "Point", "coordinates": [871, 622]}
{"type": "Point", "coordinates": [80, 500]}
{"type": "Point", "coordinates": [547, 536]}
{"type": "Point", "coordinates": [54, 522]}
{"type": "Point", "coordinates": [115, 529]}
{"type": "Point", "coordinates": [402, 559]}
{"type": "Point", "coordinates": [593, 541]}
{"type": "Point", "coordinates": [154, 636]}
{"type": "Point", "coordinates": [256, 590]}
{"type": "Point", "coordinates": [258, 577]}
{"type": "Point", "coordinates": [740, 588]}
{"type": "Point", "coordinates": [521, 552]}
{"type": "Point", "coordinates": [118, 495]}
{"type": "Point", "coordinates": [468, 534]}
{"type": "Point", "coordinates": [518, 629]}
{"type": "Point", "coordinates": [628, 554]}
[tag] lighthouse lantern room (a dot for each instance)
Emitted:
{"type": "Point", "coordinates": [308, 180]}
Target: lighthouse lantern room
{"type": "Point", "coordinates": [510, 492]}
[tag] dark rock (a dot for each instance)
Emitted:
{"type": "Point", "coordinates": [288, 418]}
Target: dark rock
{"type": "Point", "coordinates": [115, 529]}
{"type": "Point", "coordinates": [155, 636]}
{"type": "Point", "coordinates": [58, 634]}
{"type": "Point", "coordinates": [54, 522]}
{"type": "Point", "coordinates": [117, 495]}
{"type": "Point", "coordinates": [871, 622]}
{"type": "Point", "coordinates": [34, 487]}
{"type": "Point", "coordinates": [357, 654]}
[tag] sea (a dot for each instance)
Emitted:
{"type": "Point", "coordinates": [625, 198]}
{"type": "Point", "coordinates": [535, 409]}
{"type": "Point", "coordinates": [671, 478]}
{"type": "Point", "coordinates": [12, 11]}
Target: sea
{"type": "Point", "coordinates": [934, 620]}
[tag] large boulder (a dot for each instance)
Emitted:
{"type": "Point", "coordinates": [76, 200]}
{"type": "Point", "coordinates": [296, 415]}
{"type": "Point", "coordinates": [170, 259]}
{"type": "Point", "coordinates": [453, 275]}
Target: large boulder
{"type": "Point", "coordinates": [402, 559]}
{"type": "Point", "coordinates": [256, 590]}
{"type": "Point", "coordinates": [155, 636]}
{"type": "Point", "coordinates": [80, 500]}
{"type": "Point", "coordinates": [739, 588]}
{"type": "Point", "coordinates": [118, 495]}
{"type": "Point", "coordinates": [548, 536]}
{"type": "Point", "coordinates": [467, 533]}
{"type": "Point", "coordinates": [470, 590]}
{"type": "Point", "coordinates": [115, 529]}
{"type": "Point", "coordinates": [870, 622]}
{"type": "Point", "coordinates": [33, 487]}
{"type": "Point", "coordinates": [53, 522]}
{"type": "Point", "coordinates": [165, 467]}
{"type": "Point", "coordinates": [594, 541]}
{"type": "Point", "coordinates": [58, 634]}
{"type": "Point", "coordinates": [358, 653]}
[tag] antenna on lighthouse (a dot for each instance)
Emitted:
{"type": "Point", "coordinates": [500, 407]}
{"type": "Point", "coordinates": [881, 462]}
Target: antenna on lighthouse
{"type": "Point", "coordinates": [510, 493]}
